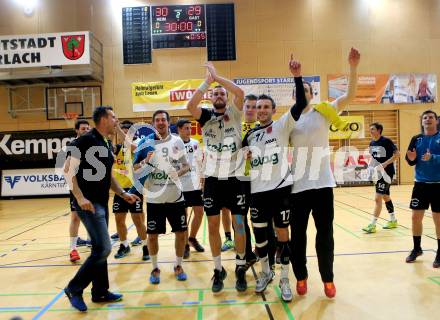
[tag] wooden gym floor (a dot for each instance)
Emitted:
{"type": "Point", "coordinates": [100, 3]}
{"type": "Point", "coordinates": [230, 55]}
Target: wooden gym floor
{"type": "Point", "coordinates": [372, 279]}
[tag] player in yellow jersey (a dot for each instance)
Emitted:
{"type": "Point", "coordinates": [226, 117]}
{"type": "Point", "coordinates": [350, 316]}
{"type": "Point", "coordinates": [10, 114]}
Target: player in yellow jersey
{"type": "Point", "coordinates": [122, 172]}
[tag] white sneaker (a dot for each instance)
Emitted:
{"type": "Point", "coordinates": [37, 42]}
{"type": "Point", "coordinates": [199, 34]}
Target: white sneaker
{"type": "Point", "coordinates": [286, 292]}
{"type": "Point", "coordinates": [263, 281]}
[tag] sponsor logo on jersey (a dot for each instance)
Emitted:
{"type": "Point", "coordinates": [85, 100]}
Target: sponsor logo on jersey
{"type": "Point", "coordinates": [222, 147]}
{"type": "Point", "coordinates": [259, 161]}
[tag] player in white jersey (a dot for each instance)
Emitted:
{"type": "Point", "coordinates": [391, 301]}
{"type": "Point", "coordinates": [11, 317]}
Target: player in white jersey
{"type": "Point", "coordinates": [221, 129]}
{"type": "Point", "coordinates": [271, 179]}
{"type": "Point", "coordinates": [165, 155]}
{"type": "Point", "coordinates": [312, 185]}
{"type": "Point", "coordinates": [192, 184]}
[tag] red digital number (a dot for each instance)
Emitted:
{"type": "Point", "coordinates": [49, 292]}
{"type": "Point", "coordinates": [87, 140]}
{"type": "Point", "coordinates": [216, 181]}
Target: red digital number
{"type": "Point", "coordinates": [182, 26]}
{"type": "Point", "coordinates": [174, 26]}
{"type": "Point", "coordinates": [198, 10]}
{"type": "Point", "coordinates": [190, 11]}
{"type": "Point", "coordinates": [161, 11]}
{"type": "Point", "coordinates": [189, 26]}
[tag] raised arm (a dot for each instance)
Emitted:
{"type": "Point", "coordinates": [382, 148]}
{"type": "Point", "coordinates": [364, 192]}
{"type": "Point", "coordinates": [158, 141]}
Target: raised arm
{"type": "Point", "coordinates": [300, 96]}
{"type": "Point", "coordinates": [228, 85]}
{"type": "Point", "coordinates": [353, 59]}
{"type": "Point", "coordinates": [193, 104]}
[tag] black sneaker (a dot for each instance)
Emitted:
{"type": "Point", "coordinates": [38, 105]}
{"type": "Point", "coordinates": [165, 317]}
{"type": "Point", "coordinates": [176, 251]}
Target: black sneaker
{"type": "Point", "coordinates": [196, 245]}
{"type": "Point", "coordinates": [413, 255]}
{"type": "Point", "coordinates": [145, 253]}
{"type": "Point", "coordinates": [240, 274]}
{"type": "Point", "coordinates": [186, 252]}
{"type": "Point", "coordinates": [122, 251]}
{"type": "Point", "coordinates": [217, 280]}
{"type": "Point", "coordinates": [115, 236]}
{"type": "Point", "coordinates": [436, 263]}
{"type": "Point", "coordinates": [108, 297]}
{"type": "Point", "coordinates": [81, 242]}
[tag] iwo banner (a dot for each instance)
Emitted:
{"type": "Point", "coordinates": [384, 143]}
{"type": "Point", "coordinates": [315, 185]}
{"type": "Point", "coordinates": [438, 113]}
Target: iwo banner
{"type": "Point", "coordinates": [47, 49]}
{"type": "Point", "coordinates": [385, 89]}
{"type": "Point", "coordinates": [33, 182]}
{"type": "Point", "coordinates": [166, 95]}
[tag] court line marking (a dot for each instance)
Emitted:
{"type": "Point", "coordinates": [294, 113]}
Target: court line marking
{"type": "Point", "coordinates": [12, 266]}
{"type": "Point", "coordinates": [47, 307]}
{"type": "Point", "coordinates": [434, 279]}
{"type": "Point", "coordinates": [284, 304]}
{"type": "Point", "coordinates": [199, 307]}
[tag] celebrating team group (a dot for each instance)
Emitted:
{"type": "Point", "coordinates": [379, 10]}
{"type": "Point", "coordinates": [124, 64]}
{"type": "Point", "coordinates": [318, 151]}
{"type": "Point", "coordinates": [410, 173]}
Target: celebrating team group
{"type": "Point", "coordinates": [243, 167]}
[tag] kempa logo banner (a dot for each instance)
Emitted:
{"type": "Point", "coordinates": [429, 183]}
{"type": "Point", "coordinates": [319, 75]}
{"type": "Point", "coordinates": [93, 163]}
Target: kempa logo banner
{"type": "Point", "coordinates": [31, 149]}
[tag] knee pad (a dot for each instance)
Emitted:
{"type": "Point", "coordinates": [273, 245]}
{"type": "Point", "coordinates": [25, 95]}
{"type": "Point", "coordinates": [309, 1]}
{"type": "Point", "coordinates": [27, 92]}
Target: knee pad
{"type": "Point", "coordinates": [389, 205]}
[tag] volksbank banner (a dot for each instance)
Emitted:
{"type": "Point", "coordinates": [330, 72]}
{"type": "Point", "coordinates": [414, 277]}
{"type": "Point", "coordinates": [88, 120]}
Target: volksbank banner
{"type": "Point", "coordinates": [32, 149]}
{"type": "Point", "coordinates": [32, 182]}
{"type": "Point", "coordinates": [49, 49]}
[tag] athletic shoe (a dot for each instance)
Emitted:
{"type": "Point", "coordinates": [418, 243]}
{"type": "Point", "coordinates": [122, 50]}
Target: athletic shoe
{"type": "Point", "coordinates": [272, 272]}
{"type": "Point", "coordinates": [122, 251]}
{"type": "Point", "coordinates": [436, 263]}
{"type": "Point", "coordinates": [186, 252]}
{"type": "Point", "coordinates": [301, 287]}
{"type": "Point", "coordinates": [81, 242]}
{"type": "Point", "coordinates": [240, 274]}
{"type": "Point", "coordinates": [88, 243]}
{"type": "Point", "coordinates": [390, 225]}
{"type": "Point", "coordinates": [76, 301]}
{"type": "Point", "coordinates": [115, 236]}
{"type": "Point", "coordinates": [413, 255]}
{"type": "Point", "coordinates": [286, 292]}
{"type": "Point", "coordinates": [196, 245]}
{"type": "Point", "coordinates": [136, 242]}
{"type": "Point", "coordinates": [74, 256]}
{"type": "Point", "coordinates": [155, 276]}
{"type": "Point", "coordinates": [263, 280]}
{"type": "Point", "coordinates": [217, 280]}
{"type": "Point", "coordinates": [145, 253]}
{"type": "Point", "coordinates": [180, 274]}
{"type": "Point", "coordinates": [107, 297]}
{"type": "Point", "coordinates": [250, 261]}
{"type": "Point", "coordinates": [329, 289]}
{"type": "Point", "coordinates": [228, 244]}
{"type": "Point", "coordinates": [371, 228]}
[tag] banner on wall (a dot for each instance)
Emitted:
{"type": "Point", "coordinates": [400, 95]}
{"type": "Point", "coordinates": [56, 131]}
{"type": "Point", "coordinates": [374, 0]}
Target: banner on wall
{"type": "Point", "coordinates": [47, 49]}
{"type": "Point", "coordinates": [32, 149]}
{"type": "Point", "coordinates": [33, 182]}
{"type": "Point", "coordinates": [166, 95]}
{"type": "Point", "coordinates": [385, 89]}
{"type": "Point", "coordinates": [280, 89]}
{"type": "Point", "coordinates": [355, 129]}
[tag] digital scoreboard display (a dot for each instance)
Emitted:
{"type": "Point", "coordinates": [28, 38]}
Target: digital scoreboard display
{"type": "Point", "coordinates": [178, 26]}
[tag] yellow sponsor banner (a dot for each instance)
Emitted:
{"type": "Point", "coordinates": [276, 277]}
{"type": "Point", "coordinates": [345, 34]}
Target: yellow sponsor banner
{"type": "Point", "coordinates": [166, 95]}
{"type": "Point", "coordinates": [355, 129]}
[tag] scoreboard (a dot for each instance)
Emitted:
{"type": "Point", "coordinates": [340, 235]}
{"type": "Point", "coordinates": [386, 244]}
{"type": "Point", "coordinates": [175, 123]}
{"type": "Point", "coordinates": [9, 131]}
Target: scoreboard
{"type": "Point", "coordinates": [178, 26]}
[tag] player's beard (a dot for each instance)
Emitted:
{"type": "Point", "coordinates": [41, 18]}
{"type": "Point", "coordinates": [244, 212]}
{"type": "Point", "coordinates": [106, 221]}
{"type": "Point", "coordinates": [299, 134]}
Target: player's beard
{"type": "Point", "coordinates": [219, 104]}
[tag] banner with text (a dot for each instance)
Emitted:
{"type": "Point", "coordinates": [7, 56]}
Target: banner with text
{"type": "Point", "coordinates": [166, 95]}
{"type": "Point", "coordinates": [33, 182]}
{"type": "Point", "coordinates": [280, 89]}
{"type": "Point", "coordinates": [385, 89]}
{"type": "Point", "coordinates": [47, 49]}
{"type": "Point", "coordinates": [355, 129]}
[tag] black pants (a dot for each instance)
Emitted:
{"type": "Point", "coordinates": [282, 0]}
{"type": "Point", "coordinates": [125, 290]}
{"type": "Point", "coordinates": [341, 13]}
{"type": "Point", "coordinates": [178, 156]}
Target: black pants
{"type": "Point", "coordinates": [320, 203]}
{"type": "Point", "coordinates": [94, 269]}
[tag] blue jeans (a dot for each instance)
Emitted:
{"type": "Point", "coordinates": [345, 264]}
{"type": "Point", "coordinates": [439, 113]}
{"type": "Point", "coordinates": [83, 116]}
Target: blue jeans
{"type": "Point", "coordinates": [94, 269]}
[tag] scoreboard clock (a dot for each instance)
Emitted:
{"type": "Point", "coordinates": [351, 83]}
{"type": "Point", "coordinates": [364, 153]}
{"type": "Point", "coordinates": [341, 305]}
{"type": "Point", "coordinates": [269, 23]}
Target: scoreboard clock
{"type": "Point", "coordinates": [179, 26]}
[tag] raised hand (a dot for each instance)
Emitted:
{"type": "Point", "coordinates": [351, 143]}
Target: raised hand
{"type": "Point", "coordinates": [295, 67]}
{"type": "Point", "coordinates": [411, 154]}
{"type": "Point", "coordinates": [211, 70]}
{"type": "Point", "coordinates": [354, 57]}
